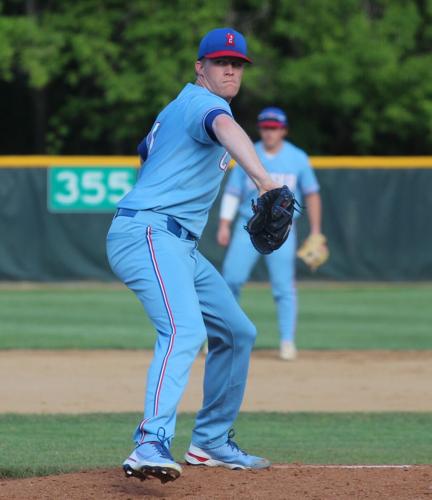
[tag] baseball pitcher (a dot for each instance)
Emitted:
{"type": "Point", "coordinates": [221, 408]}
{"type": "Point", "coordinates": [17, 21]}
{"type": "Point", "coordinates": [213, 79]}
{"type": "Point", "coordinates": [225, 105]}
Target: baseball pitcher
{"type": "Point", "coordinates": [152, 246]}
{"type": "Point", "coordinates": [287, 165]}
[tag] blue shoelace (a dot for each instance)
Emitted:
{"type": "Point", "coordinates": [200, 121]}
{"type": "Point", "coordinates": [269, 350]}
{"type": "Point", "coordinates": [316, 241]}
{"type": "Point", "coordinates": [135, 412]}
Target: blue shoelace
{"type": "Point", "coordinates": [232, 444]}
{"type": "Point", "coordinates": [162, 450]}
{"type": "Point", "coordinates": [162, 444]}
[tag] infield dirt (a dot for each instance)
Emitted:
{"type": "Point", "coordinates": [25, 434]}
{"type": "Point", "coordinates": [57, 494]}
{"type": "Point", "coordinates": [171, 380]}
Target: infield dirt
{"type": "Point", "coordinates": [283, 482]}
{"type": "Point", "coordinates": [112, 381]}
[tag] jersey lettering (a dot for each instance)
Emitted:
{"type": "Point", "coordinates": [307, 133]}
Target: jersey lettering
{"type": "Point", "coordinates": [152, 136]}
{"type": "Point", "coordinates": [223, 164]}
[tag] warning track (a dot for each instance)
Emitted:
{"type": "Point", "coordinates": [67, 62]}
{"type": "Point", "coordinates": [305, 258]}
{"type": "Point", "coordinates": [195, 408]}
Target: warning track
{"type": "Point", "coordinates": [112, 381]}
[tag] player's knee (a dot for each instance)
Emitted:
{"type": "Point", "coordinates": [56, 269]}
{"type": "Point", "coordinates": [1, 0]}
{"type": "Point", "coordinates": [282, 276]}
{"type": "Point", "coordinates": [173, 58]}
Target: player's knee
{"type": "Point", "coordinates": [285, 292]}
{"type": "Point", "coordinates": [191, 338]}
{"type": "Point", "coordinates": [246, 331]}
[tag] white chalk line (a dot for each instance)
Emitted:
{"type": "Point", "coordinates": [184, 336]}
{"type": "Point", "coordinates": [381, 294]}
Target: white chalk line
{"type": "Point", "coordinates": [357, 466]}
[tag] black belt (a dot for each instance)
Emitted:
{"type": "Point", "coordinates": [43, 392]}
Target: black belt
{"type": "Point", "coordinates": [172, 225]}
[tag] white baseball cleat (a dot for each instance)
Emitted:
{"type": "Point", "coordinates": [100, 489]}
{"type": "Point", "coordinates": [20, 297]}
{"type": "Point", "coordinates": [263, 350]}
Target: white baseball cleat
{"type": "Point", "coordinates": [229, 455]}
{"type": "Point", "coordinates": [288, 351]}
{"type": "Point", "coordinates": [152, 459]}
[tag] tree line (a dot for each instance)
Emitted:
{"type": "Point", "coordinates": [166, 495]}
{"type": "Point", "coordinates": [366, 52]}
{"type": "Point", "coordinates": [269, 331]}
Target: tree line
{"type": "Point", "coordinates": [89, 76]}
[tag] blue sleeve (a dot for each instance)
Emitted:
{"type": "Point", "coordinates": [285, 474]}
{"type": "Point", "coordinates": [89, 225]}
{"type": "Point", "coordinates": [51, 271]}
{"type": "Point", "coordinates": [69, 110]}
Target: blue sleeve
{"type": "Point", "coordinates": [201, 112]}
{"type": "Point", "coordinates": [236, 182]}
{"type": "Point", "coordinates": [143, 149]}
{"type": "Point", "coordinates": [208, 122]}
{"type": "Point", "coordinates": [308, 181]}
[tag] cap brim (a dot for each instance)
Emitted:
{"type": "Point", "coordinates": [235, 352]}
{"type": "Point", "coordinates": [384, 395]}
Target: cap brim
{"type": "Point", "coordinates": [271, 124]}
{"type": "Point", "coordinates": [228, 53]}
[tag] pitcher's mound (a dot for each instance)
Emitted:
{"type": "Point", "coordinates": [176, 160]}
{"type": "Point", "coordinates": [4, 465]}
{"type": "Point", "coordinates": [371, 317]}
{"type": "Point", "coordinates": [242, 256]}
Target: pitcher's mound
{"type": "Point", "coordinates": [280, 482]}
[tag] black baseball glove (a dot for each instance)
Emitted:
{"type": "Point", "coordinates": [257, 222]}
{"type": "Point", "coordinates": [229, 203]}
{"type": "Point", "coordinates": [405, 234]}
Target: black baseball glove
{"type": "Point", "coordinates": [271, 222]}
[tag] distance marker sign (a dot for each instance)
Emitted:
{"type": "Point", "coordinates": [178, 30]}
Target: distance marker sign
{"type": "Point", "coordinates": [88, 189]}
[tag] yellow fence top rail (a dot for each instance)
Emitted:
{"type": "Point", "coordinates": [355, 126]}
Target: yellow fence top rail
{"type": "Point", "coordinates": [319, 162]}
{"type": "Point", "coordinates": [67, 161]}
{"type": "Point", "coordinates": [373, 162]}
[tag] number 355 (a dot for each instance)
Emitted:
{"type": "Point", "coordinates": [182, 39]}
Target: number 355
{"type": "Point", "coordinates": [92, 187]}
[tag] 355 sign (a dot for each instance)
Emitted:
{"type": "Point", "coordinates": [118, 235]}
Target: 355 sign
{"type": "Point", "coordinates": [88, 189]}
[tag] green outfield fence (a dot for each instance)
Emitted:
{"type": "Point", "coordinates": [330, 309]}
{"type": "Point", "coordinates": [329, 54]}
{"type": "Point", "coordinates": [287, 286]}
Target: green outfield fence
{"type": "Point", "coordinates": [56, 211]}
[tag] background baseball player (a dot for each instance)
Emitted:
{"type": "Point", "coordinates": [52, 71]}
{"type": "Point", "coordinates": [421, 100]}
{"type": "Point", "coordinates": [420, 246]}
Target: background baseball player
{"type": "Point", "coordinates": [152, 247]}
{"type": "Point", "coordinates": [288, 165]}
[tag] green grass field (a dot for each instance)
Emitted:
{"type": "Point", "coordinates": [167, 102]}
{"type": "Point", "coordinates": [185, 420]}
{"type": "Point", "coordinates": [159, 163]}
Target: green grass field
{"type": "Point", "coordinates": [38, 445]}
{"type": "Point", "coordinates": [342, 316]}
{"type": "Point", "coordinates": [331, 317]}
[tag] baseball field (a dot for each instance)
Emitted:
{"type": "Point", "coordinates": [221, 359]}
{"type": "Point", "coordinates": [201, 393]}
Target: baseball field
{"type": "Point", "coordinates": [352, 417]}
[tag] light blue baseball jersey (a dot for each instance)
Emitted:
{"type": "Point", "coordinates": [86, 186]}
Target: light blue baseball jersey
{"type": "Point", "coordinates": [290, 166]}
{"type": "Point", "coordinates": [182, 162]}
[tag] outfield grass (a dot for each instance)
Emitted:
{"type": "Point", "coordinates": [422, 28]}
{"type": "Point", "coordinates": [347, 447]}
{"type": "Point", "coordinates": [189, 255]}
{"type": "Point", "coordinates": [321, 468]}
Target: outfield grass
{"type": "Point", "coordinates": [338, 317]}
{"type": "Point", "coordinates": [47, 444]}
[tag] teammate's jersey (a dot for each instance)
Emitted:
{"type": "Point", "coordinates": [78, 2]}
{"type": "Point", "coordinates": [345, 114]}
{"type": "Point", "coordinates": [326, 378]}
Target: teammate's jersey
{"type": "Point", "coordinates": [289, 166]}
{"type": "Point", "coordinates": [183, 163]}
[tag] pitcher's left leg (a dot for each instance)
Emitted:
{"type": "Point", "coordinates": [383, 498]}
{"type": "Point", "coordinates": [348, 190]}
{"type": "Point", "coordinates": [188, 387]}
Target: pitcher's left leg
{"type": "Point", "coordinates": [231, 337]}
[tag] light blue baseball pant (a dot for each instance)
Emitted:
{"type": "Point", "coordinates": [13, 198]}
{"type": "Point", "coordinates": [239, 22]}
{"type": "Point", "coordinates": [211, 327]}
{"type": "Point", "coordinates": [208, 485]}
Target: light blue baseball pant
{"type": "Point", "coordinates": [187, 301]}
{"type": "Point", "coordinates": [240, 260]}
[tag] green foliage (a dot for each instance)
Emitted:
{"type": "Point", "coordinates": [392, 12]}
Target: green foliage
{"type": "Point", "coordinates": [356, 81]}
{"type": "Point", "coordinates": [354, 76]}
{"type": "Point", "coordinates": [45, 444]}
{"type": "Point", "coordinates": [341, 317]}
